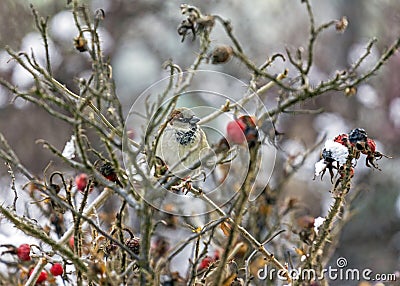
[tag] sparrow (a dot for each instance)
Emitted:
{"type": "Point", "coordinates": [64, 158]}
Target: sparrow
{"type": "Point", "coordinates": [182, 142]}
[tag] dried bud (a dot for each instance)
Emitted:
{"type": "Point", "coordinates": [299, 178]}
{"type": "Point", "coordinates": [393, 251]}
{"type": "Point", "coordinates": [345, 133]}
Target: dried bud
{"type": "Point", "coordinates": [221, 54]}
{"type": "Point", "coordinates": [195, 22]}
{"type": "Point", "coordinates": [350, 91]}
{"type": "Point", "coordinates": [342, 24]}
{"type": "Point", "coordinates": [80, 43]}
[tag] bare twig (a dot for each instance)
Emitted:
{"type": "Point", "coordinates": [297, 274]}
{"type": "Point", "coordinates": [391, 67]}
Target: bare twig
{"type": "Point", "coordinates": [10, 171]}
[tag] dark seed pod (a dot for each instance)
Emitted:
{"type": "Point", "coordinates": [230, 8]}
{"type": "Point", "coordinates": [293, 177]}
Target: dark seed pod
{"type": "Point", "coordinates": [357, 135]}
{"type": "Point", "coordinates": [56, 188]}
{"type": "Point", "coordinates": [106, 169]}
{"type": "Point", "coordinates": [109, 173]}
{"type": "Point", "coordinates": [327, 156]}
{"type": "Point", "coordinates": [133, 244]}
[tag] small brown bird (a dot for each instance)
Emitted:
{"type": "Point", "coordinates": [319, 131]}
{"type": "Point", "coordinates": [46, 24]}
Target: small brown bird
{"type": "Point", "coordinates": [182, 143]}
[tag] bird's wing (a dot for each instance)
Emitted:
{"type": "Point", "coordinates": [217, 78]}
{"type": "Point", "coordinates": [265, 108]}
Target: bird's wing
{"type": "Point", "coordinates": [203, 139]}
{"type": "Point", "coordinates": [166, 146]}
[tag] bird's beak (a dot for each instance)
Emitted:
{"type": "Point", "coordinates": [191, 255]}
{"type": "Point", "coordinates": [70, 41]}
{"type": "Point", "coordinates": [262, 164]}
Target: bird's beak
{"type": "Point", "coordinates": [194, 120]}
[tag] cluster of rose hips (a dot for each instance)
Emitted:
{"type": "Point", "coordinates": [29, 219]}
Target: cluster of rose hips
{"type": "Point", "coordinates": [83, 183]}
{"type": "Point", "coordinates": [55, 270]}
{"type": "Point", "coordinates": [23, 252]}
{"type": "Point", "coordinates": [361, 144]}
{"type": "Point", "coordinates": [357, 142]}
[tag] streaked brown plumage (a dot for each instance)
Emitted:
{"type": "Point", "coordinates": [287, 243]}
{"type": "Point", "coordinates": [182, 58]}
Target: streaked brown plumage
{"type": "Point", "coordinates": [182, 138]}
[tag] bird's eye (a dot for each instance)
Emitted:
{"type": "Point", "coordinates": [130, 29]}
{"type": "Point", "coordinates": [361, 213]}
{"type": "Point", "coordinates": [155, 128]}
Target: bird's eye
{"type": "Point", "coordinates": [184, 120]}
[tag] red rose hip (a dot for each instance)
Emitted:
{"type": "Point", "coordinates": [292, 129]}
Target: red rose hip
{"type": "Point", "coordinates": [81, 182]}
{"type": "Point", "coordinates": [42, 276]}
{"type": "Point", "coordinates": [56, 269]}
{"type": "Point", "coordinates": [234, 131]}
{"type": "Point", "coordinates": [23, 252]}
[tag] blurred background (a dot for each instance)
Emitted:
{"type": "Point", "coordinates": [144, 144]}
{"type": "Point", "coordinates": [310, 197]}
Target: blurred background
{"type": "Point", "coordinates": [138, 36]}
